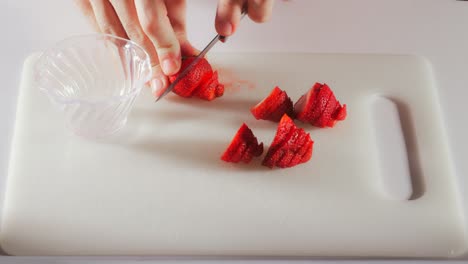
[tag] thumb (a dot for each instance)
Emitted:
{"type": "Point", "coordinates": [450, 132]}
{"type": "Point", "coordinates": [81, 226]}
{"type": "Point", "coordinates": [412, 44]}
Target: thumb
{"type": "Point", "coordinates": [159, 82]}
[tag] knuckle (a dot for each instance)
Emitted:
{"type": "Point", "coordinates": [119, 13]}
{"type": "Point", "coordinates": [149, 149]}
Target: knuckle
{"type": "Point", "coordinates": [181, 35]}
{"type": "Point", "coordinates": [107, 28]}
{"type": "Point", "coordinates": [165, 47]}
{"type": "Point", "coordinates": [147, 27]}
{"type": "Point", "coordinates": [150, 24]}
{"type": "Point", "coordinates": [135, 33]}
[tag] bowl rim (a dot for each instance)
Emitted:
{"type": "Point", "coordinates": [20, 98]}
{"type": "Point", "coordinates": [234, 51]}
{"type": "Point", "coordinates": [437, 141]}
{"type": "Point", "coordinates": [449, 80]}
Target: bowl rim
{"type": "Point", "coordinates": [110, 99]}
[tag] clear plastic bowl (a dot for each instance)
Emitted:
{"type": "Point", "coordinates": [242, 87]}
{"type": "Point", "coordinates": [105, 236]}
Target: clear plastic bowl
{"type": "Point", "coordinates": [94, 80]}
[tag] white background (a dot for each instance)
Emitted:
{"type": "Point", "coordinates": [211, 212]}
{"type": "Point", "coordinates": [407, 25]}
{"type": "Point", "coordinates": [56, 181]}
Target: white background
{"type": "Point", "coordinates": [436, 29]}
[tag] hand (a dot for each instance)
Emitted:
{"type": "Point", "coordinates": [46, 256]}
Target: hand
{"type": "Point", "coordinates": [229, 12]}
{"type": "Point", "coordinates": [157, 25]}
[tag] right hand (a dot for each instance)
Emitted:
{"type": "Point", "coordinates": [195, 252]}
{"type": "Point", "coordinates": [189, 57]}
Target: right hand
{"type": "Point", "coordinates": [157, 25]}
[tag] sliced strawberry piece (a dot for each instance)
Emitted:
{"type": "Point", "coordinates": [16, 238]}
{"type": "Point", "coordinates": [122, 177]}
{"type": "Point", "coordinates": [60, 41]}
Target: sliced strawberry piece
{"type": "Point", "coordinates": [234, 151]}
{"type": "Point", "coordinates": [244, 146]}
{"type": "Point", "coordinates": [326, 117]}
{"type": "Point", "coordinates": [304, 154]}
{"type": "Point", "coordinates": [210, 88]}
{"type": "Point", "coordinates": [252, 151]}
{"type": "Point", "coordinates": [286, 147]}
{"type": "Point", "coordinates": [219, 91]}
{"type": "Point", "coordinates": [308, 153]}
{"type": "Point", "coordinates": [304, 106]}
{"type": "Point", "coordinates": [293, 150]}
{"type": "Point", "coordinates": [340, 113]}
{"type": "Point", "coordinates": [323, 96]}
{"type": "Point", "coordinates": [319, 107]}
{"type": "Point", "coordinates": [200, 72]}
{"type": "Point", "coordinates": [285, 129]}
{"type": "Point", "coordinates": [239, 154]}
{"type": "Point", "coordinates": [274, 106]}
{"type": "Point", "coordinates": [278, 152]}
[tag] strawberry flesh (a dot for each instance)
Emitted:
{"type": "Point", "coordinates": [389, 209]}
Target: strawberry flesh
{"type": "Point", "coordinates": [244, 146]}
{"type": "Point", "coordinates": [290, 147]}
{"type": "Point", "coordinates": [340, 113]}
{"type": "Point", "coordinates": [200, 81]}
{"type": "Point", "coordinates": [274, 106]}
{"type": "Point", "coordinates": [319, 107]}
{"type": "Point", "coordinates": [211, 88]}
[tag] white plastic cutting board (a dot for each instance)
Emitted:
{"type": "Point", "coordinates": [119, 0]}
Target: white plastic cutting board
{"type": "Point", "coordinates": [159, 187]}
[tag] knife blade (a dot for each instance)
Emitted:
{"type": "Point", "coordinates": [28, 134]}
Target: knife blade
{"type": "Point", "coordinates": [195, 61]}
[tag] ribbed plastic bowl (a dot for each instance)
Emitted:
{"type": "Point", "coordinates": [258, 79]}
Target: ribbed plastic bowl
{"type": "Point", "coordinates": [94, 80]}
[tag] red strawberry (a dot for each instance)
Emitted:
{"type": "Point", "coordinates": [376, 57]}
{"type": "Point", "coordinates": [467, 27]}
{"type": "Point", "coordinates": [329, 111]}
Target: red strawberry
{"type": "Point", "coordinates": [340, 113]}
{"type": "Point", "coordinates": [312, 104]}
{"type": "Point", "coordinates": [299, 144]}
{"type": "Point", "coordinates": [326, 116]}
{"type": "Point", "coordinates": [290, 147]}
{"type": "Point", "coordinates": [274, 153]}
{"type": "Point", "coordinates": [197, 75]}
{"type": "Point", "coordinates": [274, 106]}
{"type": "Point", "coordinates": [210, 88]}
{"type": "Point", "coordinates": [303, 107]}
{"type": "Point", "coordinates": [244, 146]}
{"type": "Point", "coordinates": [319, 107]}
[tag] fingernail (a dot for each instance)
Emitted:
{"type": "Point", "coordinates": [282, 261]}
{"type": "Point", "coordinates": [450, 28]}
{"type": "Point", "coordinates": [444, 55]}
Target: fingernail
{"type": "Point", "coordinates": [156, 86]}
{"type": "Point", "coordinates": [169, 66]}
{"type": "Point", "coordinates": [227, 29]}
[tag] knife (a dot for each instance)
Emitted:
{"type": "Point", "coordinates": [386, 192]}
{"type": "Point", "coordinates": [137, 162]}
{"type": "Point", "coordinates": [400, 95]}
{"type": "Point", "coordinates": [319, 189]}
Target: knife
{"type": "Point", "coordinates": [196, 60]}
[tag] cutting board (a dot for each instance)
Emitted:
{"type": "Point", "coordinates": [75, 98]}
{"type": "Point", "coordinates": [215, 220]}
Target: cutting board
{"type": "Point", "coordinates": [158, 187]}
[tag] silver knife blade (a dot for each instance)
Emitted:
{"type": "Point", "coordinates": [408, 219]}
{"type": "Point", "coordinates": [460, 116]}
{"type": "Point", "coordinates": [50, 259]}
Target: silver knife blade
{"type": "Point", "coordinates": [195, 61]}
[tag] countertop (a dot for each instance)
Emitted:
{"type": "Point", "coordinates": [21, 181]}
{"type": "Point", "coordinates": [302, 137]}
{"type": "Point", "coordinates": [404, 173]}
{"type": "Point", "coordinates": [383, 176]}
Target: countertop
{"type": "Point", "coordinates": [434, 29]}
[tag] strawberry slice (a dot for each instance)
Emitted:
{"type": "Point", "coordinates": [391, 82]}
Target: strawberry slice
{"type": "Point", "coordinates": [319, 107]}
{"type": "Point", "coordinates": [294, 150]}
{"type": "Point", "coordinates": [210, 88]}
{"type": "Point", "coordinates": [294, 147]}
{"type": "Point", "coordinates": [244, 146]}
{"type": "Point", "coordinates": [326, 117]}
{"type": "Point", "coordinates": [276, 151]}
{"type": "Point", "coordinates": [321, 101]}
{"type": "Point", "coordinates": [307, 154]}
{"type": "Point", "coordinates": [274, 106]}
{"type": "Point", "coordinates": [200, 78]}
{"type": "Point", "coordinates": [283, 133]}
{"type": "Point", "coordinates": [191, 81]}
{"type": "Point", "coordinates": [290, 147]}
{"type": "Point", "coordinates": [340, 113]}
{"type": "Point", "coordinates": [307, 102]}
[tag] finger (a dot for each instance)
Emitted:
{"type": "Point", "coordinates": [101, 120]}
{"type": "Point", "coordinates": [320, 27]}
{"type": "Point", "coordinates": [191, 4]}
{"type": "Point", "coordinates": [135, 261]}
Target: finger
{"type": "Point", "coordinates": [87, 10]}
{"type": "Point", "coordinates": [228, 15]}
{"type": "Point", "coordinates": [260, 10]}
{"type": "Point", "coordinates": [155, 23]}
{"type": "Point", "coordinates": [187, 49]}
{"type": "Point", "coordinates": [176, 10]}
{"type": "Point", "coordinates": [159, 82]}
{"type": "Point", "coordinates": [126, 11]}
{"type": "Point", "coordinates": [107, 19]}
{"type": "Point", "coordinates": [176, 14]}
